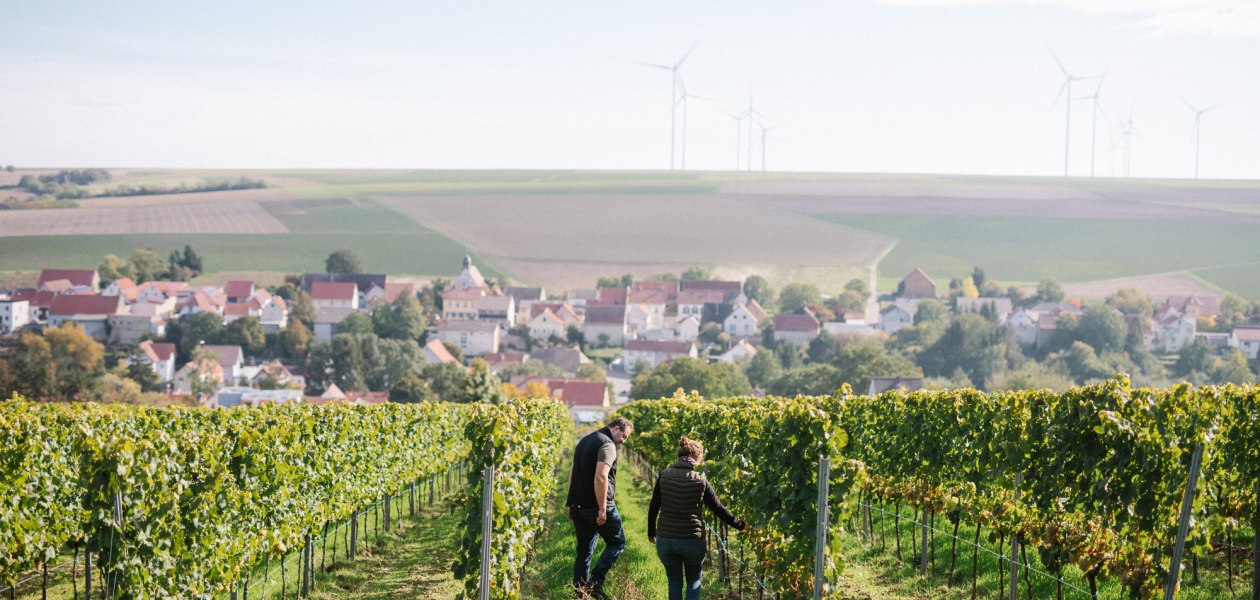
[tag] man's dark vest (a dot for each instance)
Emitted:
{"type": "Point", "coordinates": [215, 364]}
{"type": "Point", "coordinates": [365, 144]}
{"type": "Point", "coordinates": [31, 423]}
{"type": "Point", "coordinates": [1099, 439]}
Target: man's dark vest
{"type": "Point", "coordinates": [585, 456]}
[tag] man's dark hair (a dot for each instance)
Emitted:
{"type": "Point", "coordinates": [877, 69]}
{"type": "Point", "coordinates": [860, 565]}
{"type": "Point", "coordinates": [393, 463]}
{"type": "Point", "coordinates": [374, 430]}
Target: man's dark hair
{"type": "Point", "coordinates": [621, 423]}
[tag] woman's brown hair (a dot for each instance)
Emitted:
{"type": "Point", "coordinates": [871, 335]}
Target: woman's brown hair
{"type": "Point", "coordinates": [689, 448]}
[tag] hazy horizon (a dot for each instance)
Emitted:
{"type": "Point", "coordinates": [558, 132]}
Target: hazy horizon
{"type": "Point", "coordinates": [956, 87]}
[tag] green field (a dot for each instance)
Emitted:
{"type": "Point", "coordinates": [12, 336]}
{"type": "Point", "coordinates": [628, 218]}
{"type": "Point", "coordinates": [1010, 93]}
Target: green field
{"type": "Point", "coordinates": [386, 241]}
{"type": "Point", "coordinates": [1023, 250]}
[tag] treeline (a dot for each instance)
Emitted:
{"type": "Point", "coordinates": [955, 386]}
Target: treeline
{"type": "Point", "coordinates": [65, 185]}
{"type": "Point", "coordinates": [144, 265]}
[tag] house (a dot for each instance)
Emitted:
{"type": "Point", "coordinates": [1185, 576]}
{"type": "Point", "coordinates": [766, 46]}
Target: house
{"type": "Point", "coordinates": [202, 300]}
{"type": "Point", "coordinates": [436, 353]}
{"type": "Point", "coordinates": [1171, 333]}
{"type": "Point", "coordinates": [201, 376]}
{"type": "Point", "coordinates": [362, 282]}
{"type": "Point", "coordinates": [917, 285]}
{"type": "Point", "coordinates": [499, 309]}
{"type": "Point", "coordinates": [277, 375]}
{"type": "Point", "coordinates": [1191, 306]}
{"type": "Point", "coordinates": [335, 295]}
{"type": "Point", "coordinates": [327, 319]}
{"type": "Point", "coordinates": [470, 277]}
{"type": "Point", "coordinates": [92, 311]}
{"type": "Point", "coordinates": [547, 325]}
{"type": "Point", "coordinates": [87, 278]}
{"type": "Point", "coordinates": [606, 325]}
{"type": "Point", "coordinates": [128, 327]}
{"type": "Point", "coordinates": [498, 360]}
{"type": "Point", "coordinates": [230, 358]}
{"type": "Point", "coordinates": [880, 385]}
{"type": "Point", "coordinates": [233, 396]}
{"type": "Point", "coordinates": [646, 307]}
{"type": "Point", "coordinates": [655, 353]}
{"type": "Point", "coordinates": [566, 359]}
{"type": "Point", "coordinates": [642, 319]}
{"type": "Point", "coordinates": [14, 315]}
{"type": "Point", "coordinates": [740, 350]}
{"type": "Point", "coordinates": [38, 303]}
{"type": "Point", "coordinates": [1247, 338]}
{"type": "Point", "coordinates": [238, 291]}
{"type": "Point", "coordinates": [160, 291]}
{"type": "Point", "coordinates": [573, 392]}
{"type": "Point", "coordinates": [273, 313]}
{"type": "Point", "coordinates": [159, 355]}
{"type": "Point", "coordinates": [681, 328]}
{"type": "Point", "coordinates": [473, 337]}
{"type": "Point", "coordinates": [123, 286]}
{"type": "Point", "coordinates": [387, 294]}
{"type": "Point", "coordinates": [798, 330]}
{"type": "Point", "coordinates": [745, 320]}
{"type": "Point", "coordinates": [731, 291]}
{"type": "Point", "coordinates": [367, 398]}
{"type": "Point", "coordinates": [524, 297]}
{"type": "Point", "coordinates": [999, 307]}
{"type": "Point", "coordinates": [693, 301]}
{"type": "Point", "coordinates": [897, 315]}
{"type": "Point", "coordinates": [460, 303]}
{"type": "Point", "coordinates": [1024, 323]}
{"type": "Point", "coordinates": [578, 298]}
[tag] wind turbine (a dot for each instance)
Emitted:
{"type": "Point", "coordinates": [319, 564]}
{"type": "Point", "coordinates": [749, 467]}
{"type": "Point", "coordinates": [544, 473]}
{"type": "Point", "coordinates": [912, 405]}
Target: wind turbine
{"type": "Point", "coordinates": [676, 84]}
{"type": "Point", "coordinates": [682, 98]}
{"type": "Point", "coordinates": [752, 114]}
{"type": "Point", "coordinates": [1093, 133]}
{"type": "Point", "coordinates": [1198, 114]}
{"type": "Point", "coordinates": [1129, 130]}
{"type": "Point", "coordinates": [739, 128]}
{"type": "Point", "coordinates": [764, 129]}
{"type": "Point", "coordinates": [1068, 78]}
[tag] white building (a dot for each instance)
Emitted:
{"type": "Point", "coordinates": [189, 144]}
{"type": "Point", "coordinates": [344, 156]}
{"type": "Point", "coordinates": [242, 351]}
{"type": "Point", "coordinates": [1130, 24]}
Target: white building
{"type": "Point", "coordinates": [1247, 338]}
{"type": "Point", "coordinates": [655, 353]}
{"type": "Point", "coordinates": [14, 315]}
{"type": "Point", "coordinates": [473, 337]}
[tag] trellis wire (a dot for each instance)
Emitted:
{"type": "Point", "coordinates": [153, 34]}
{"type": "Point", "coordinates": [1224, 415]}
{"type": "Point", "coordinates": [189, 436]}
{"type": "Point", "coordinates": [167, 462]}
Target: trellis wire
{"type": "Point", "coordinates": [36, 575]}
{"type": "Point", "coordinates": [731, 555]}
{"type": "Point", "coordinates": [915, 521]}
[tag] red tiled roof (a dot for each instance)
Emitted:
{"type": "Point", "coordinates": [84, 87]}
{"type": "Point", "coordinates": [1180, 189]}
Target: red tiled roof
{"type": "Point", "coordinates": [611, 296]}
{"type": "Point", "coordinates": [394, 290]}
{"type": "Point", "coordinates": [76, 276]}
{"type": "Point", "coordinates": [56, 286]}
{"type": "Point", "coordinates": [92, 304]}
{"type": "Point", "coordinates": [238, 289]}
{"type": "Point", "coordinates": [463, 293]}
{"type": "Point", "coordinates": [33, 297]}
{"type": "Point", "coordinates": [573, 392]}
{"type": "Point", "coordinates": [803, 323]}
{"type": "Point", "coordinates": [440, 352]}
{"type": "Point", "coordinates": [701, 296]}
{"type": "Point", "coordinates": [157, 350]}
{"type": "Point", "coordinates": [647, 296]}
{"type": "Point", "coordinates": [327, 290]}
{"type": "Point", "coordinates": [237, 309]}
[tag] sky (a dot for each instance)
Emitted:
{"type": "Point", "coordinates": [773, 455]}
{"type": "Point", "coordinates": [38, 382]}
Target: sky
{"type": "Point", "coordinates": [897, 86]}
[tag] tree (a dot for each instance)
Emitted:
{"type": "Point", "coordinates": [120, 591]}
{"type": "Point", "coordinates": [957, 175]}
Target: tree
{"type": "Point", "coordinates": [814, 380]}
{"type": "Point", "coordinates": [1102, 328]}
{"type": "Point", "coordinates": [977, 277]}
{"type": "Point", "coordinates": [758, 288]}
{"type": "Point", "coordinates": [530, 368]}
{"type": "Point", "coordinates": [402, 320]}
{"type": "Point", "coordinates": [615, 282]}
{"type": "Point", "coordinates": [355, 323]}
{"type": "Point", "coordinates": [114, 388]}
{"type": "Point", "coordinates": [762, 368]}
{"type": "Point", "coordinates": [858, 286]}
{"type": "Point", "coordinates": [246, 332]}
{"type": "Point", "coordinates": [113, 268]}
{"type": "Point", "coordinates": [968, 289]}
{"type": "Point", "coordinates": [192, 260]}
{"type": "Point", "coordinates": [715, 381]}
{"type": "Point", "coordinates": [1049, 290]}
{"type": "Point", "coordinates": [445, 379]}
{"type": "Point", "coordinates": [302, 308]}
{"type": "Point", "coordinates": [977, 346]}
{"type": "Point", "coordinates": [1131, 301]}
{"type": "Point", "coordinates": [343, 261]}
{"type": "Point", "coordinates": [200, 328]}
{"type": "Point", "coordinates": [697, 273]}
{"type": "Point", "coordinates": [78, 360]}
{"type": "Point", "coordinates": [1233, 369]}
{"type": "Point", "coordinates": [411, 388]}
{"type": "Point", "coordinates": [294, 340]}
{"type": "Point", "coordinates": [481, 385]}
{"type": "Point", "coordinates": [796, 295]}
{"type": "Point", "coordinates": [1195, 357]}
{"type": "Point", "coordinates": [34, 374]}
{"type": "Point", "coordinates": [860, 361]}
{"type": "Point", "coordinates": [931, 311]}
{"type": "Point", "coordinates": [591, 371]}
{"type": "Point", "coordinates": [145, 265]}
{"type": "Point", "coordinates": [143, 374]}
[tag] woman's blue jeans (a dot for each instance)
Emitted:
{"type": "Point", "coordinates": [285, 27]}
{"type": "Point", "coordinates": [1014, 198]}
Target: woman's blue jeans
{"type": "Point", "coordinates": [682, 560]}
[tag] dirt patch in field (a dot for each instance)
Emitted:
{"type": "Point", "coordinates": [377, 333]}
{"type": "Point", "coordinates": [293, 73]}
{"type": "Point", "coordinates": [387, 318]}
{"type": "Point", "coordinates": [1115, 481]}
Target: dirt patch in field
{"type": "Point", "coordinates": [235, 217]}
{"type": "Point", "coordinates": [1072, 208]}
{"type": "Point", "coordinates": [908, 186]}
{"type": "Point", "coordinates": [663, 230]}
{"type": "Point", "coordinates": [1158, 287]}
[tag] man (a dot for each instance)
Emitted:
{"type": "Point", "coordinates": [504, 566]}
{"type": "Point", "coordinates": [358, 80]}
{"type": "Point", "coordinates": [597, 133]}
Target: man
{"type": "Point", "coordinates": [592, 483]}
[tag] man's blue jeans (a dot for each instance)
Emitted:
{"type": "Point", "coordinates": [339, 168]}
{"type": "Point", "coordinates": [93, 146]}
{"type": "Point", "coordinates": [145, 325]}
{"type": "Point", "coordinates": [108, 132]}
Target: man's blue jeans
{"type": "Point", "coordinates": [682, 560]}
{"type": "Point", "coordinates": [614, 543]}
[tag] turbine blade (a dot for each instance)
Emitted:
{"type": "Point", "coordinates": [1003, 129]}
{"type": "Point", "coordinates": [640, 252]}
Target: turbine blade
{"type": "Point", "coordinates": [655, 66]}
{"type": "Point", "coordinates": [1213, 107]}
{"type": "Point", "coordinates": [684, 57]}
{"type": "Point", "coordinates": [1060, 63]}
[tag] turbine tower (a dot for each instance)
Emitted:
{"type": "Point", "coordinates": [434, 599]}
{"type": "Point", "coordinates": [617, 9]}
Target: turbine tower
{"type": "Point", "coordinates": [1068, 78]}
{"type": "Point", "coordinates": [764, 129]}
{"type": "Point", "coordinates": [676, 86]}
{"type": "Point", "coordinates": [1198, 114]}
{"type": "Point", "coordinates": [1093, 133]}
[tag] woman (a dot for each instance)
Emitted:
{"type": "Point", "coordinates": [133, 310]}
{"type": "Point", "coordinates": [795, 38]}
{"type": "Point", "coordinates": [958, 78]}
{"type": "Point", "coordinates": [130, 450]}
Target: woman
{"type": "Point", "coordinates": [677, 498]}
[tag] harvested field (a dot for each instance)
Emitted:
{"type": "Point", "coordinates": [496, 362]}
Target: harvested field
{"type": "Point", "coordinates": [223, 217]}
{"type": "Point", "coordinates": [252, 196]}
{"type": "Point", "coordinates": [636, 229]}
{"type": "Point", "coordinates": [904, 187]}
{"type": "Point", "coordinates": [1158, 287]}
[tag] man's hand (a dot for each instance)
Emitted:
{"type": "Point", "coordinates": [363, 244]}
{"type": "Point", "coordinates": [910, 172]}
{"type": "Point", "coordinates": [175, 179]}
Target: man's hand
{"type": "Point", "coordinates": [652, 539]}
{"type": "Point", "coordinates": [570, 513]}
{"type": "Point", "coordinates": [602, 517]}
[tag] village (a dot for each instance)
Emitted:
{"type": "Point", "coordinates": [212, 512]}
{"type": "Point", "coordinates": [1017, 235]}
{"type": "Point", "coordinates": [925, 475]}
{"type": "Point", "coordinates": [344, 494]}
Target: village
{"type": "Point", "coordinates": [541, 343]}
